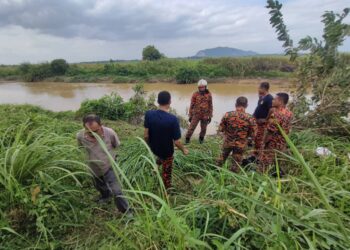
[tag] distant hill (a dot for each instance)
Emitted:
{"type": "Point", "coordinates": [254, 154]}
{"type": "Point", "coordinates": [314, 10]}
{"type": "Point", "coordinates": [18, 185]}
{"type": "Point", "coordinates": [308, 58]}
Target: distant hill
{"type": "Point", "coordinates": [224, 52]}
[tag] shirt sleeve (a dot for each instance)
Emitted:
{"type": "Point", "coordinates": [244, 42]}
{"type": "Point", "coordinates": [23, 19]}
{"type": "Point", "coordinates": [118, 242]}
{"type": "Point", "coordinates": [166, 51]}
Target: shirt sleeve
{"type": "Point", "coordinates": [210, 105]}
{"type": "Point", "coordinates": [253, 128]}
{"type": "Point", "coordinates": [80, 144]}
{"type": "Point", "coordinates": [268, 102]}
{"type": "Point", "coordinates": [115, 139]}
{"type": "Point", "coordinates": [146, 122]}
{"type": "Point", "coordinates": [222, 126]}
{"type": "Point", "coordinates": [176, 130]}
{"type": "Point", "coordinates": [193, 103]}
{"type": "Point", "coordinates": [272, 122]}
{"type": "Point", "coordinates": [288, 123]}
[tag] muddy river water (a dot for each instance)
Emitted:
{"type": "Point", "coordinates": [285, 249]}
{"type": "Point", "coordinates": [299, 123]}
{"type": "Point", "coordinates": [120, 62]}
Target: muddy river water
{"type": "Point", "coordinates": [68, 96]}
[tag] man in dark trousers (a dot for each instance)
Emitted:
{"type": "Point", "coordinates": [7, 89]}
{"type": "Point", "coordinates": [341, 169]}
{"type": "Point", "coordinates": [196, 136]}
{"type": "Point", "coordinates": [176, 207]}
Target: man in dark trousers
{"type": "Point", "coordinates": [162, 131]}
{"type": "Point", "coordinates": [201, 110]}
{"type": "Point", "coordinates": [99, 162]}
{"type": "Point", "coordinates": [260, 115]}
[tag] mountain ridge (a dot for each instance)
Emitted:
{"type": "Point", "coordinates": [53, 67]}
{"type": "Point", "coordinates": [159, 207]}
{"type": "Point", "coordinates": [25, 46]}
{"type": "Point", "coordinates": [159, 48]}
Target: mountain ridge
{"type": "Point", "coordinates": [224, 52]}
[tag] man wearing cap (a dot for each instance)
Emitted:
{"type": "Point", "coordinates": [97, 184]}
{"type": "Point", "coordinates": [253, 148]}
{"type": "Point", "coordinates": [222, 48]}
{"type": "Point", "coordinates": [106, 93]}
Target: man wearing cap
{"type": "Point", "coordinates": [237, 127]}
{"type": "Point", "coordinates": [201, 110]}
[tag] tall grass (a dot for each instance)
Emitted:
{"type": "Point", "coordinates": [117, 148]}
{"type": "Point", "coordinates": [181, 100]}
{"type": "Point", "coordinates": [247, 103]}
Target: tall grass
{"type": "Point", "coordinates": [223, 210]}
{"type": "Point", "coordinates": [211, 208]}
{"type": "Point", "coordinates": [40, 178]}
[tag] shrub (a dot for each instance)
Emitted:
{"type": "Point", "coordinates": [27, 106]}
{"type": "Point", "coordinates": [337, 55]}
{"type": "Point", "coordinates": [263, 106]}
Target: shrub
{"type": "Point", "coordinates": [24, 68]}
{"type": "Point", "coordinates": [138, 104]}
{"type": "Point", "coordinates": [59, 66]}
{"type": "Point", "coordinates": [186, 75]}
{"type": "Point", "coordinates": [37, 72]}
{"type": "Point", "coordinates": [112, 107]}
{"type": "Point", "coordinates": [109, 107]}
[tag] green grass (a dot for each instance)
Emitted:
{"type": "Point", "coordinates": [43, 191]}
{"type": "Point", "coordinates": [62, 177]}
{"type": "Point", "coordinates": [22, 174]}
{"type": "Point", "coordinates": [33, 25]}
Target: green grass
{"type": "Point", "coordinates": [164, 70]}
{"type": "Point", "coordinates": [212, 208]}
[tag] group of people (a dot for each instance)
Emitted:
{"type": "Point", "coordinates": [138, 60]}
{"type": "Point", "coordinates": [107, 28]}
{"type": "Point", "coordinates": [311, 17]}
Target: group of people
{"type": "Point", "coordinates": [262, 131]}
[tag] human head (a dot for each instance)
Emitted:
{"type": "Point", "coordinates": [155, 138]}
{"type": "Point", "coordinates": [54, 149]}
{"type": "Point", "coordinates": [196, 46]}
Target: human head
{"type": "Point", "coordinates": [242, 102]}
{"type": "Point", "coordinates": [164, 98]}
{"type": "Point", "coordinates": [280, 100]}
{"type": "Point", "coordinates": [92, 122]}
{"type": "Point", "coordinates": [202, 85]}
{"type": "Point", "coordinates": [264, 88]}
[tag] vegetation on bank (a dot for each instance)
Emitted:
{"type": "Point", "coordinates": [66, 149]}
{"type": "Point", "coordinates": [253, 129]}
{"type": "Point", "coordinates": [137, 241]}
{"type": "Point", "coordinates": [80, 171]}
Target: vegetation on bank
{"type": "Point", "coordinates": [169, 70]}
{"type": "Point", "coordinates": [48, 199]}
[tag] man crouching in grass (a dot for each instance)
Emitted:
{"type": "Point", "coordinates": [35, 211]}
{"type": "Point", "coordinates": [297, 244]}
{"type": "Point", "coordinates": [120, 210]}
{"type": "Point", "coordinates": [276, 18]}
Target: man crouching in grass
{"type": "Point", "coordinates": [100, 164]}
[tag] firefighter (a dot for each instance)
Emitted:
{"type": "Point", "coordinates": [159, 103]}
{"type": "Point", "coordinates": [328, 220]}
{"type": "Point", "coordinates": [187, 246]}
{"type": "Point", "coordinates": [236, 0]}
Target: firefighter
{"type": "Point", "coordinates": [201, 111]}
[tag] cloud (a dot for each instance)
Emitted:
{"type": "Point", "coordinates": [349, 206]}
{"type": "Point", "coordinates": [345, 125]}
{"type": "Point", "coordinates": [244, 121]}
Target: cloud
{"type": "Point", "coordinates": [35, 30]}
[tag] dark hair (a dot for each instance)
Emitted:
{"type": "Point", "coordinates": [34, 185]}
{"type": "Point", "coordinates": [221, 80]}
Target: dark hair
{"type": "Point", "coordinates": [164, 98]}
{"type": "Point", "coordinates": [284, 97]}
{"type": "Point", "coordinates": [265, 85]}
{"type": "Point", "coordinates": [242, 102]}
{"type": "Point", "coordinates": [91, 118]}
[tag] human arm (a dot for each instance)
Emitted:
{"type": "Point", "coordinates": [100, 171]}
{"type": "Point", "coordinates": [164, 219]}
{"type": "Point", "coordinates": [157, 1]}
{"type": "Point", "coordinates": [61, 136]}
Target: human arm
{"type": "Point", "coordinates": [210, 107]}
{"type": "Point", "coordinates": [177, 137]}
{"type": "Point", "coordinates": [79, 142]}
{"type": "Point", "coordinates": [180, 146]}
{"type": "Point", "coordinates": [146, 126]}
{"type": "Point", "coordinates": [193, 103]}
{"type": "Point", "coordinates": [222, 126]}
{"type": "Point", "coordinates": [114, 139]}
{"type": "Point", "coordinates": [252, 129]}
{"type": "Point", "coordinates": [146, 135]}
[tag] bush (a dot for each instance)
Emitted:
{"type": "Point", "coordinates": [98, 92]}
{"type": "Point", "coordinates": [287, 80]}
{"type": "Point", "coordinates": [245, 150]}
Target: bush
{"type": "Point", "coordinates": [138, 105]}
{"type": "Point", "coordinates": [37, 72]}
{"type": "Point", "coordinates": [151, 53]}
{"type": "Point", "coordinates": [112, 107]}
{"type": "Point", "coordinates": [187, 75]}
{"type": "Point", "coordinates": [59, 66]}
{"type": "Point", "coordinates": [109, 107]}
{"type": "Point", "coordinates": [24, 68]}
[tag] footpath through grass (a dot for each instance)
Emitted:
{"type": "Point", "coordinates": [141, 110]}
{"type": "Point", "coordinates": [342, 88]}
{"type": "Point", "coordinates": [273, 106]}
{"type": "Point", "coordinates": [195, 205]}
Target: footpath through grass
{"type": "Point", "coordinates": [47, 196]}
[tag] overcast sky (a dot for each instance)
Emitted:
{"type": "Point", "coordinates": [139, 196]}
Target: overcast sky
{"type": "Point", "coordinates": [90, 30]}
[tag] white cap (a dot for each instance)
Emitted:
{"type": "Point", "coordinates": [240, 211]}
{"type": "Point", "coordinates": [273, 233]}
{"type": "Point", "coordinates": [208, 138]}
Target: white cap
{"type": "Point", "coordinates": [202, 82]}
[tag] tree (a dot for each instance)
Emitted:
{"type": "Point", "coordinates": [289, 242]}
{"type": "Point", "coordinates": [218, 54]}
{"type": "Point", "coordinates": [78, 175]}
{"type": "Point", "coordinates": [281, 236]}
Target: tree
{"type": "Point", "coordinates": [322, 70]}
{"type": "Point", "coordinates": [151, 53]}
{"type": "Point", "coordinates": [59, 66]}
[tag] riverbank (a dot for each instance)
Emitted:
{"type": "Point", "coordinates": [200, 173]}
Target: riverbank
{"type": "Point", "coordinates": [164, 70]}
{"type": "Point", "coordinates": [286, 81]}
{"type": "Point", "coordinates": [69, 96]}
{"type": "Point", "coordinates": [48, 199]}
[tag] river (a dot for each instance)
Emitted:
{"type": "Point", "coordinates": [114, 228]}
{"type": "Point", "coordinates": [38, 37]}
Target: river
{"type": "Point", "coordinates": [68, 96]}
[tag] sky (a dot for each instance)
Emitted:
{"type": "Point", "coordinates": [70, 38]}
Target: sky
{"type": "Point", "coordinates": [91, 30]}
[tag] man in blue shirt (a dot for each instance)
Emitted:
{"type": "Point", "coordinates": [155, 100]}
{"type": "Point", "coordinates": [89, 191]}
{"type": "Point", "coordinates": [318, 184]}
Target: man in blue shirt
{"type": "Point", "coordinates": [260, 114]}
{"type": "Point", "coordinates": [162, 131]}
